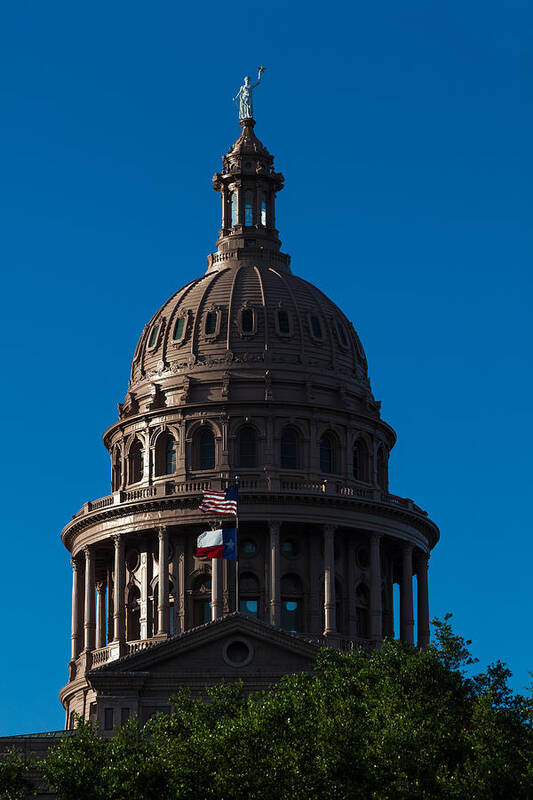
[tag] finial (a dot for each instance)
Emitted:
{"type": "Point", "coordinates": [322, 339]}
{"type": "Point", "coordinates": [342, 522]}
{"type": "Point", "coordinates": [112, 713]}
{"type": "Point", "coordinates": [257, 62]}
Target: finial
{"type": "Point", "coordinates": [244, 96]}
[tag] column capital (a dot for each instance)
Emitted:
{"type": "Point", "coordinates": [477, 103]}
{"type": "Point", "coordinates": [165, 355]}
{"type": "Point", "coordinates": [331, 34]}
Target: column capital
{"type": "Point", "coordinates": [117, 540]}
{"type": "Point", "coordinates": [407, 547]}
{"type": "Point", "coordinates": [375, 536]}
{"type": "Point", "coordinates": [87, 551]}
{"type": "Point", "coordinates": [329, 530]}
{"type": "Point", "coordinates": [274, 527]}
{"type": "Point", "coordinates": [161, 531]}
{"type": "Point", "coordinates": [100, 586]}
{"type": "Point", "coordinates": [75, 565]}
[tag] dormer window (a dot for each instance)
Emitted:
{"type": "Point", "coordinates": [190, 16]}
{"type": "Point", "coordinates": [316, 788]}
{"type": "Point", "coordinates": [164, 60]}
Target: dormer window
{"type": "Point", "coordinates": [248, 208]}
{"type": "Point", "coordinates": [283, 322]}
{"type": "Point", "coordinates": [211, 323]}
{"type": "Point", "coordinates": [153, 337]}
{"type": "Point", "coordinates": [247, 320]}
{"type": "Point", "coordinates": [341, 333]}
{"type": "Point", "coordinates": [179, 329]}
{"type": "Point", "coordinates": [316, 327]}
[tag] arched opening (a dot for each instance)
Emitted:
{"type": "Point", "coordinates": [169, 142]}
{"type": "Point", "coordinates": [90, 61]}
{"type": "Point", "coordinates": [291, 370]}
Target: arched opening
{"type": "Point", "coordinates": [263, 209]}
{"type": "Point", "coordinates": [204, 449]}
{"type": "Point", "coordinates": [327, 453]}
{"type": "Point", "coordinates": [116, 476]}
{"type": "Point", "coordinates": [133, 614]}
{"type": "Point", "coordinates": [362, 601]}
{"type": "Point", "coordinates": [201, 599]}
{"type": "Point", "coordinates": [381, 471]}
{"type": "Point", "coordinates": [291, 603]}
{"type": "Point", "coordinates": [165, 455]}
{"type": "Point", "coordinates": [247, 447]}
{"type": "Point", "coordinates": [135, 462]}
{"type": "Point", "coordinates": [361, 461]}
{"type": "Point", "coordinates": [290, 455]}
{"type": "Point", "coordinates": [249, 594]}
{"type": "Point", "coordinates": [234, 208]}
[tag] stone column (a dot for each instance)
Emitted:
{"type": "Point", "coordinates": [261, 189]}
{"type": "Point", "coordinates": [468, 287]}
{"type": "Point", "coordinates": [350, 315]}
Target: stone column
{"type": "Point", "coordinates": [100, 614]}
{"type": "Point", "coordinates": [89, 625]}
{"type": "Point", "coordinates": [162, 584]}
{"type": "Point", "coordinates": [74, 637]}
{"type": "Point", "coordinates": [179, 577]}
{"type": "Point", "coordinates": [376, 632]}
{"type": "Point", "coordinates": [423, 600]}
{"type": "Point", "coordinates": [407, 622]}
{"type": "Point", "coordinates": [351, 582]}
{"type": "Point", "coordinates": [145, 619]}
{"type": "Point", "coordinates": [275, 600]}
{"type": "Point", "coordinates": [329, 580]}
{"type": "Point", "coordinates": [109, 602]}
{"type": "Point", "coordinates": [216, 588]}
{"type": "Point", "coordinates": [119, 589]}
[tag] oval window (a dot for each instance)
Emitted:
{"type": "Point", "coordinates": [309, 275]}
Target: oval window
{"type": "Point", "coordinates": [179, 329]}
{"type": "Point", "coordinates": [153, 336]}
{"type": "Point", "coordinates": [248, 547]}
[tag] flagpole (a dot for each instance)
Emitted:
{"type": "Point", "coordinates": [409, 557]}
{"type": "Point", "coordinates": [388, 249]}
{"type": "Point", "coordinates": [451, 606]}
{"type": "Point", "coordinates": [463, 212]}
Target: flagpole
{"type": "Point", "coordinates": [237, 548]}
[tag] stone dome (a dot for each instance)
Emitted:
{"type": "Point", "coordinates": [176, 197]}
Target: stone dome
{"type": "Point", "coordinates": [244, 318]}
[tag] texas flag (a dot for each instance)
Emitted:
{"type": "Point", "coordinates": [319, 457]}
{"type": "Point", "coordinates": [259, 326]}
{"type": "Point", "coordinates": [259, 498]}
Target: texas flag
{"type": "Point", "coordinates": [218, 544]}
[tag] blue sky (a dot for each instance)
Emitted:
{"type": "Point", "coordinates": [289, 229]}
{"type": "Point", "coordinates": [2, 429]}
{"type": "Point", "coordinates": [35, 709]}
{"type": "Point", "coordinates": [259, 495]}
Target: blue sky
{"type": "Point", "coordinates": [404, 133]}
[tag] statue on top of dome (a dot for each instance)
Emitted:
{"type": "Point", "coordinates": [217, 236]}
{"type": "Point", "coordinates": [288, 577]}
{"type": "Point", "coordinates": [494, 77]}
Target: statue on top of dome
{"type": "Point", "coordinates": [244, 95]}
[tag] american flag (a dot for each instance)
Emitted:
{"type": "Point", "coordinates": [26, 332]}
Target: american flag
{"type": "Point", "coordinates": [223, 503]}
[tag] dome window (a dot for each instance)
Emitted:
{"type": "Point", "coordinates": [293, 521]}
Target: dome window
{"type": "Point", "coordinates": [234, 208]}
{"type": "Point", "coordinates": [283, 322]}
{"type": "Point", "coordinates": [165, 455]}
{"type": "Point", "coordinates": [341, 333]}
{"type": "Point", "coordinates": [248, 208]}
{"type": "Point", "coordinates": [135, 462]}
{"type": "Point", "coordinates": [153, 337]}
{"type": "Point", "coordinates": [179, 329]}
{"type": "Point", "coordinates": [289, 449]}
{"type": "Point", "coordinates": [316, 327]}
{"type": "Point", "coordinates": [248, 548]}
{"type": "Point", "coordinates": [327, 452]}
{"type": "Point", "coordinates": [263, 209]}
{"type": "Point", "coordinates": [247, 448]}
{"type": "Point", "coordinates": [212, 322]}
{"type": "Point", "coordinates": [205, 450]}
{"type": "Point", "coordinates": [360, 461]}
{"type": "Point", "coordinates": [247, 321]}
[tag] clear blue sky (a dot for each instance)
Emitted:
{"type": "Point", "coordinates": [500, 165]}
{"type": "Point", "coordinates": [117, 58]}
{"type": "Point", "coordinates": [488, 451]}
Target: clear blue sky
{"type": "Point", "coordinates": [404, 133]}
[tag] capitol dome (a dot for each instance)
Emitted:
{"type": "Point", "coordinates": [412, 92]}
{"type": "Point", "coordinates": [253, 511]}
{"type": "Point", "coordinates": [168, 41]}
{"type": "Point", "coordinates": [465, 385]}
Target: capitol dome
{"type": "Point", "coordinates": [247, 374]}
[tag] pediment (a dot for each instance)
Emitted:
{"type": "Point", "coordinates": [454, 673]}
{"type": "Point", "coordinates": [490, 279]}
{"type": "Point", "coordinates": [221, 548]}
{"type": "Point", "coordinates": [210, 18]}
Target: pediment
{"type": "Point", "coordinates": [232, 647]}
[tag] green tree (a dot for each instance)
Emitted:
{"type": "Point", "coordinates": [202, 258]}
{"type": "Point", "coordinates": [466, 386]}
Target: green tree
{"type": "Point", "coordinates": [392, 723]}
{"type": "Point", "coordinates": [14, 783]}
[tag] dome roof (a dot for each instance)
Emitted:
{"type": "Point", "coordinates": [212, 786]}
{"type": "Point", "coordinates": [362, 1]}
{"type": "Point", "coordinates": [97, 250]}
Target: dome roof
{"type": "Point", "coordinates": [250, 315]}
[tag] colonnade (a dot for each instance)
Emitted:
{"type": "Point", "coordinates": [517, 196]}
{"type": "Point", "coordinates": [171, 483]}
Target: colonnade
{"type": "Point", "coordinates": [93, 634]}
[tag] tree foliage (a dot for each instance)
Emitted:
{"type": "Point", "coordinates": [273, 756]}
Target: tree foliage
{"type": "Point", "coordinates": [14, 783]}
{"type": "Point", "coordinates": [393, 723]}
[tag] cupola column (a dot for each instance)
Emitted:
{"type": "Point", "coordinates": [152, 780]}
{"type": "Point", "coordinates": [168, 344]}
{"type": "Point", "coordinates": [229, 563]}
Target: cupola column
{"type": "Point", "coordinates": [329, 580]}
{"type": "Point", "coordinates": [216, 588]}
{"type": "Point", "coordinates": [74, 637]}
{"type": "Point", "coordinates": [100, 614]}
{"type": "Point", "coordinates": [275, 603]}
{"type": "Point", "coordinates": [146, 579]}
{"type": "Point", "coordinates": [89, 625]}
{"type": "Point", "coordinates": [407, 622]}
{"type": "Point", "coordinates": [162, 584]}
{"type": "Point", "coordinates": [119, 589]}
{"type": "Point", "coordinates": [423, 600]}
{"type": "Point", "coordinates": [375, 588]}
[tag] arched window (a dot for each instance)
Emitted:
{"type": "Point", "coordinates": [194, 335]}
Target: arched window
{"type": "Point", "coordinates": [234, 208]}
{"type": "Point", "coordinates": [263, 209]}
{"type": "Point", "coordinates": [291, 603]}
{"type": "Point", "coordinates": [249, 594]}
{"type": "Point", "coordinates": [133, 614]}
{"type": "Point", "coordinates": [327, 452]}
{"type": "Point", "coordinates": [135, 462]}
{"type": "Point", "coordinates": [290, 455]}
{"type": "Point", "coordinates": [179, 329]}
{"type": "Point", "coordinates": [362, 601]}
{"type": "Point", "coordinates": [382, 468]}
{"type": "Point", "coordinates": [204, 449]}
{"type": "Point", "coordinates": [360, 461]}
{"type": "Point", "coordinates": [248, 208]}
{"type": "Point", "coordinates": [211, 323]}
{"type": "Point", "coordinates": [316, 327]}
{"type": "Point", "coordinates": [117, 470]}
{"type": "Point", "coordinates": [247, 445]}
{"type": "Point", "coordinates": [284, 326]}
{"type": "Point", "coordinates": [201, 599]}
{"type": "Point", "coordinates": [165, 455]}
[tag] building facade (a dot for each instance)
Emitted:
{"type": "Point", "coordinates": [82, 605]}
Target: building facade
{"type": "Point", "coordinates": [252, 371]}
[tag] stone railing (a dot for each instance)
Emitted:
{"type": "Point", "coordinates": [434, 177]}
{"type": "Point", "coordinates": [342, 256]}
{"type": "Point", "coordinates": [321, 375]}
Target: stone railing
{"type": "Point", "coordinates": [296, 485]}
{"type": "Point", "coordinates": [100, 656]}
{"type": "Point", "coordinates": [140, 644]}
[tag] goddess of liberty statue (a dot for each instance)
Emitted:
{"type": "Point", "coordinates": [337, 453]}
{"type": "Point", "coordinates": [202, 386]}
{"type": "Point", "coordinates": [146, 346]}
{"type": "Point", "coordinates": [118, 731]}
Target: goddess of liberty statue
{"type": "Point", "coordinates": [244, 95]}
